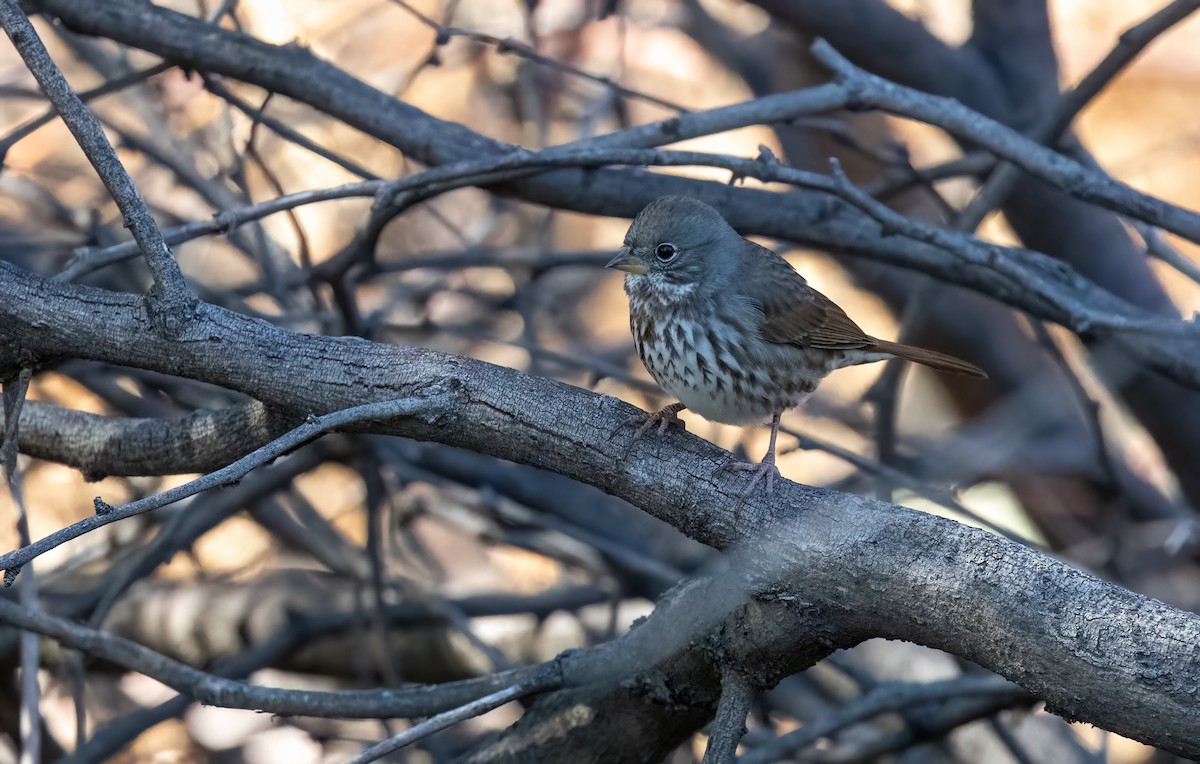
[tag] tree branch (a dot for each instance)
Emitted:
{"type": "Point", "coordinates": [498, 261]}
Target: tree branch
{"type": "Point", "coordinates": [1025, 278]}
{"type": "Point", "coordinates": [1094, 651]}
{"type": "Point", "coordinates": [737, 699]}
{"type": "Point", "coordinates": [210, 689]}
{"type": "Point", "coordinates": [431, 406]}
{"type": "Point", "coordinates": [1132, 42]}
{"type": "Point", "coordinates": [885, 698]}
{"type": "Point", "coordinates": [872, 92]}
{"type": "Point", "coordinates": [100, 446]}
{"type": "Point", "coordinates": [815, 220]}
{"type": "Point", "coordinates": [172, 297]}
{"type": "Point", "coordinates": [454, 716]}
{"type": "Point", "coordinates": [992, 75]}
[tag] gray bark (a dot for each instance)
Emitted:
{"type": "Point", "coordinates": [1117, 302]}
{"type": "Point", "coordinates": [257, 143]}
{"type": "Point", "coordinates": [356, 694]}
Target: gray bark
{"type": "Point", "coordinates": [843, 566]}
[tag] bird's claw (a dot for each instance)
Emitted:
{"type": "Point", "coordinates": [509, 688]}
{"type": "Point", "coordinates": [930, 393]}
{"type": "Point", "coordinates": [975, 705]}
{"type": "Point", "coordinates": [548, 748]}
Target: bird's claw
{"type": "Point", "coordinates": [660, 420]}
{"type": "Point", "coordinates": [764, 470]}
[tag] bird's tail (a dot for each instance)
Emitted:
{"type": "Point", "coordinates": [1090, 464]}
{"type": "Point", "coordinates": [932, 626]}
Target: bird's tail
{"type": "Point", "coordinates": [934, 360]}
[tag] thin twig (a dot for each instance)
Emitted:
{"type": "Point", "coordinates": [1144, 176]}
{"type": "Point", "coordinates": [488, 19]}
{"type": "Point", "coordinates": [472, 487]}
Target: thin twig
{"type": "Point", "coordinates": [1010, 741]}
{"type": "Point", "coordinates": [89, 259]}
{"type": "Point", "coordinates": [896, 180]}
{"type": "Point", "coordinates": [12, 562]}
{"type": "Point", "coordinates": [961, 243]}
{"type": "Point", "coordinates": [30, 714]}
{"type": "Point", "coordinates": [884, 698]}
{"type": "Point", "coordinates": [1089, 405]}
{"type": "Point", "coordinates": [454, 716]}
{"type": "Point", "coordinates": [509, 45]}
{"type": "Point", "coordinates": [274, 274]}
{"type": "Point", "coordinates": [377, 528]}
{"type": "Point", "coordinates": [183, 529]}
{"type": "Point", "coordinates": [1158, 247]}
{"type": "Point", "coordinates": [216, 86]}
{"type": "Point", "coordinates": [212, 689]}
{"type": "Point", "coordinates": [778, 108]}
{"type": "Point", "coordinates": [896, 476]}
{"type": "Point", "coordinates": [112, 86]}
{"type": "Point", "coordinates": [173, 300]}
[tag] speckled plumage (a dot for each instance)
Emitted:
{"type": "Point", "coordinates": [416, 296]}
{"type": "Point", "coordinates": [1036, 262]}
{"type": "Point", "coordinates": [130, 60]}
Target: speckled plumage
{"type": "Point", "coordinates": [706, 352]}
{"type": "Point", "coordinates": [729, 327]}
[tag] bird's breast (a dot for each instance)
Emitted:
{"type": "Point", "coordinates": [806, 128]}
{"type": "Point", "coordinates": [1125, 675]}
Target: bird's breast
{"type": "Point", "coordinates": [714, 362]}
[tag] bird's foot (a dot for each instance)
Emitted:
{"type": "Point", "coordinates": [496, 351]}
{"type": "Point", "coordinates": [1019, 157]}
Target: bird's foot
{"type": "Point", "coordinates": [763, 471]}
{"type": "Point", "coordinates": [660, 420]}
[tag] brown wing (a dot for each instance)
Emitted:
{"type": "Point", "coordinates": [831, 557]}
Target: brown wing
{"type": "Point", "coordinates": [793, 312]}
{"type": "Point", "coordinates": [796, 314]}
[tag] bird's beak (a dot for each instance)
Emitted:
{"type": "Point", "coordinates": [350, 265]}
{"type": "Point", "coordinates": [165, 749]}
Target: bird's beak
{"type": "Point", "coordinates": [626, 261]}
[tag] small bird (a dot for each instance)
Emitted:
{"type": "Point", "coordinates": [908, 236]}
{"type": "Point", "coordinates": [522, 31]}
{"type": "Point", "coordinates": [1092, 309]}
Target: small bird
{"type": "Point", "coordinates": [731, 329]}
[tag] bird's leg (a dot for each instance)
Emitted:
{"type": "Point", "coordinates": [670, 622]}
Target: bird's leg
{"type": "Point", "coordinates": [662, 419]}
{"type": "Point", "coordinates": [764, 469]}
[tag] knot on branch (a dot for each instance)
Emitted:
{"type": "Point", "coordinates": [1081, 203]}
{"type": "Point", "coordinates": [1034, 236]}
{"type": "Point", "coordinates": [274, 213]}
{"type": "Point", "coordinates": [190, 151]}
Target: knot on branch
{"type": "Point", "coordinates": [765, 165]}
{"type": "Point", "coordinates": [170, 308]}
{"type": "Point", "coordinates": [857, 99]}
{"type": "Point", "coordinates": [226, 220]}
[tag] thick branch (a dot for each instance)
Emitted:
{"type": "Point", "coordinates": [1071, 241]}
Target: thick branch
{"type": "Point", "coordinates": [100, 445]}
{"type": "Point", "coordinates": [1094, 651]}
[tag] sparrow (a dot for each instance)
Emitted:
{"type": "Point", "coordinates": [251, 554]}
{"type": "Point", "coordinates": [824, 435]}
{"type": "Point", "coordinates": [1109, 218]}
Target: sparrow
{"type": "Point", "coordinates": [731, 330]}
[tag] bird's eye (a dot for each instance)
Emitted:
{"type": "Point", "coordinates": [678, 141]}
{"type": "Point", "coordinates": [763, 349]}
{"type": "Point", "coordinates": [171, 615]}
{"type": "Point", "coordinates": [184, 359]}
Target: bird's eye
{"type": "Point", "coordinates": [665, 252]}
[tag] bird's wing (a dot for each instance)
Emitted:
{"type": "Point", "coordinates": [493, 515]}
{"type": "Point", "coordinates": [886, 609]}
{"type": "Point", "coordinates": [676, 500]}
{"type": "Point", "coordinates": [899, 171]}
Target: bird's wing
{"type": "Point", "coordinates": [793, 312]}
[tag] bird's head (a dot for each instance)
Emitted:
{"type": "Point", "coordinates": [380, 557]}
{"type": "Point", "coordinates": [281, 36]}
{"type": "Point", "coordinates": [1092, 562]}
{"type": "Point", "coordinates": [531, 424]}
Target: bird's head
{"type": "Point", "coordinates": [677, 245]}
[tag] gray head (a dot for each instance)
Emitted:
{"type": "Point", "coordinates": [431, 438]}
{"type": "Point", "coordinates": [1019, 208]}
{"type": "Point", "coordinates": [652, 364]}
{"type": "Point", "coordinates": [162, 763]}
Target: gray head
{"type": "Point", "coordinates": [677, 242]}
